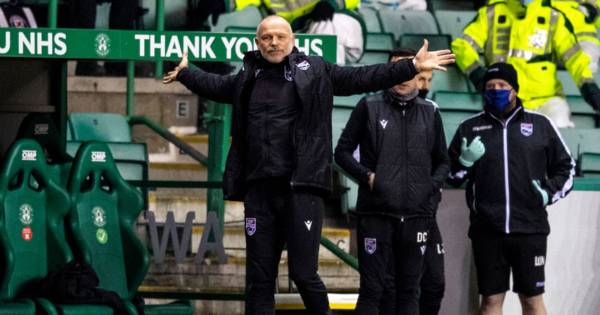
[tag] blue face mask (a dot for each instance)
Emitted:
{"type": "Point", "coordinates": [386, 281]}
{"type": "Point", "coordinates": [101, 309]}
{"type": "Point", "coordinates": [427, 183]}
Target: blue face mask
{"type": "Point", "coordinates": [496, 101]}
{"type": "Point", "coordinates": [526, 2]}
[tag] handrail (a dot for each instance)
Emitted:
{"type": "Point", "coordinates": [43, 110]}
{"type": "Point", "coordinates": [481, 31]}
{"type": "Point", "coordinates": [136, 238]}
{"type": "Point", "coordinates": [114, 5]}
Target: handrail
{"type": "Point", "coordinates": [340, 253]}
{"type": "Point", "coordinates": [169, 136]}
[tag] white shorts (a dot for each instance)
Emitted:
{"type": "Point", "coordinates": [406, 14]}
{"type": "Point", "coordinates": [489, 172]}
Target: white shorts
{"type": "Point", "coordinates": [557, 109]}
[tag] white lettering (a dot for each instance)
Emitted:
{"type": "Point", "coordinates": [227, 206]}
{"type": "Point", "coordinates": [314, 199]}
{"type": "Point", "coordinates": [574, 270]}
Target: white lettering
{"type": "Point", "coordinates": [142, 38]}
{"type": "Point", "coordinates": [315, 47]}
{"type": "Point", "coordinates": [303, 48]}
{"type": "Point", "coordinates": [228, 42]}
{"type": "Point", "coordinates": [206, 47]}
{"type": "Point", "coordinates": [157, 45]}
{"type": "Point", "coordinates": [41, 43]}
{"type": "Point", "coordinates": [28, 43]}
{"type": "Point", "coordinates": [4, 50]}
{"type": "Point", "coordinates": [239, 51]}
{"type": "Point", "coordinates": [421, 237]}
{"type": "Point", "coordinates": [61, 45]}
{"type": "Point", "coordinates": [174, 47]}
{"type": "Point", "coordinates": [192, 47]}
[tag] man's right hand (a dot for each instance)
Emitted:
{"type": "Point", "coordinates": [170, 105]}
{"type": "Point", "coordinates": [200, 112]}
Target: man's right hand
{"type": "Point", "coordinates": [471, 153]}
{"type": "Point", "coordinates": [171, 76]}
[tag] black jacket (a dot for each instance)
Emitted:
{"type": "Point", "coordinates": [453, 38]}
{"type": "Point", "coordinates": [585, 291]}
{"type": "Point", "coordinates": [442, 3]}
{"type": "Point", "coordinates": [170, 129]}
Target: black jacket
{"type": "Point", "coordinates": [317, 81]}
{"type": "Point", "coordinates": [406, 149]}
{"type": "Point", "coordinates": [499, 190]}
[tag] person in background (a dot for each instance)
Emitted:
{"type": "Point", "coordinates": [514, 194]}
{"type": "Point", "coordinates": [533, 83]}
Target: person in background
{"type": "Point", "coordinates": [420, 5]}
{"type": "Point", "coordinates": [403, 164]}
{"type": "Point", "coordinates": [515, 164]}
{"type": "Point", "coordinates": [533, 37]}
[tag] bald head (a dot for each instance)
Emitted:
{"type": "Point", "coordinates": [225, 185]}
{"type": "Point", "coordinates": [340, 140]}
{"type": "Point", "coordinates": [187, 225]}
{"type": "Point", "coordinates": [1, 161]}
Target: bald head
{"type": "Point", "coordinates": [274, 38]}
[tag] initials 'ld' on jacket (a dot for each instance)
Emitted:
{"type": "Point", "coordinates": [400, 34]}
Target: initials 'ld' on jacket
{"type": "Point", "coordinates": [500, 194]}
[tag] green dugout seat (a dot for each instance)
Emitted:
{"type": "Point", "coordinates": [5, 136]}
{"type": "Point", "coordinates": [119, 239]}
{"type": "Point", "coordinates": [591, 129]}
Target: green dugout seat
{"type": "Point", "coordinates": [105, 127]}
{"type": "Point", "coordinates": [451, 80]}
{"type": "Point", "coordinates": [250, 17]}
{"type": "Point", "coordinates": [453, 22]}
{"type": "Point", "coordinates": [458, 101]}
{"type": "Point", "coordinates": [374, 57]}
{"type": "Point", "coordinates": [102, 218]}
{"type": "Point", "coordinates": [340, 116]}
{"type": "Point", "coordinates": [372, 21]}
{"type": "Point", "coordinates": [572, 139]}
{"type": "Point", "coordinates": [380, 42]}
{"type": "Point", "coordinates": [569, 86]}
{"type": "Point", "coordinates": [582, 114]}
{"type": "Point", "coordinates": [27, 227]}
{"type": "Point", "coordinates": [407, 22]}
{"type": "Point", "coordinates": [589, 165]}
{"type": "Point", "coordinates": [415, 41]}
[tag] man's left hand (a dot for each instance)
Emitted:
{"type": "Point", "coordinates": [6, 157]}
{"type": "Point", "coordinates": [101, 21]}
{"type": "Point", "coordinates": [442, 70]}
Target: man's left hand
{"type": "Point", "coordinates": [433, 60]}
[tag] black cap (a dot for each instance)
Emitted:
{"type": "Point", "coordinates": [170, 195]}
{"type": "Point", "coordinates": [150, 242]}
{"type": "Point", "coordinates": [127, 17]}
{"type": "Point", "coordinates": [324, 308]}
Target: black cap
{"type": "Point", "coordinates": [502, 71]}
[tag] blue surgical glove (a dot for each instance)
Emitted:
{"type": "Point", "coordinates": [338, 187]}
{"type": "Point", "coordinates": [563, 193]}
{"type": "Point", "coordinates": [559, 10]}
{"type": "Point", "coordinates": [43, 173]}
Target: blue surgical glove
{"type": "Point", "coordinates": [538, 186]}
{"type": "Point", "coordinates": [471, 153]}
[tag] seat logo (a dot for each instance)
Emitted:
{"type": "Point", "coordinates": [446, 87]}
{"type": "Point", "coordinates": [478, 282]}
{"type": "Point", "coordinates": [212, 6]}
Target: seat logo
{"type": "Point", "coordinates": [29, 155]}
{"type": "Point", "coordinates": [98, 156]}
{"type": "Point", "coordinates": [26, 214]}
{"type": "Point", "coordinates": [27, 234]}
{"type": "Point", "coordinates": [99, 216]}
{"type": "Point", "coordinates": [102, 236]}
{"type": "Point", "coordinates": [370, 245]}
{"type": "Point", "coordinates": [40, 129]}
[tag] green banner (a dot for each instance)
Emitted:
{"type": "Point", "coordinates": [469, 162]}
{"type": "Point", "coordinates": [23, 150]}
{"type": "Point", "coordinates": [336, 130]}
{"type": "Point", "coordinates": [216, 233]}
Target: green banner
{"type": "Point", "coordinates": [143, 45]}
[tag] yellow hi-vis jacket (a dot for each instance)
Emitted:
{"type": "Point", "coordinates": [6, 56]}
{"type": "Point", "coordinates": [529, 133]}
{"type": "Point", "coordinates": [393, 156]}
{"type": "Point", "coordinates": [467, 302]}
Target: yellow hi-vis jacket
{"type": "Point", "coordinates": [293, 9]}
{"type": "Point", "coordinates": [584, 31]}
{"type": "Point", "coordinates": [530, 38]}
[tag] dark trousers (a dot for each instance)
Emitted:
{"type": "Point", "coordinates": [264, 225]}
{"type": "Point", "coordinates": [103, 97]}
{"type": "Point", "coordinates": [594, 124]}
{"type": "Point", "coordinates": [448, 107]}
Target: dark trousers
{"type": "Point", "coordinates": [275, 216]}
{"type": "Point", "coordinates": [432, 281]}
{"type": "Point", "coordinates": [391, 254]}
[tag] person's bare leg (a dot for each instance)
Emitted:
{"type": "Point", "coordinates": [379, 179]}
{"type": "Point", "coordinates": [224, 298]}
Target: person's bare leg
{"type": "Point", "coordinates": [533, 305]}
{"type": "Point", "coordinates": [492, 304]}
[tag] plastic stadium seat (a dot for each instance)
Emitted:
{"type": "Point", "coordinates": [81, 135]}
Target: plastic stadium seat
{"type": "Point", "coordinates": [42, 128]}
{"type": "Point", "coordinates": [569, 86]}
{"type": "Point", "coordinates": [470, 103]}
{"type": "Point", "coordinates": [415, 41]}
{"type": "Point", "coordinates": [102, 217]}
{"type": "Point", "coordinates": [371, 19]}
{"type": "Point", "coordinates": [589, 164]}
{"type": "Point", "coordinates": [453, 22]}
{"type": "Point", "coordinates": [589, 141]}
{"type": "Point", "coordinates": [374, 57]}
{"type": "Point", "coordinates": [340, 117]}
{"type": "Point", "coordinates": [408, 22]}
{"type": "Point", "coordinates": [240, 29]}
{"type": "Point", "coordinates": [572, 139]}
{"type": "Point", "coordinates": [347, 101]}
{"type": "Point", "coordinates": [105, 127]}
{"type": "Point", "coordinates": [32, 229]}
{"type": "Point", "coordinates": [449, 131]}
{"type": "Point", "coordinates": [581, 113]}
{"type": "Point", "coordinates": [451, 80]}
{"type": "Point", "coordinates": [249, 17]}
{"type": "Point", "coordinates": [380, 42]}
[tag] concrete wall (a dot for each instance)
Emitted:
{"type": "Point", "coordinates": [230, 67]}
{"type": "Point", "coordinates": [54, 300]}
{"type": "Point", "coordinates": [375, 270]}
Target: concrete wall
{"type": "Point", "coordinates": [572, 265]}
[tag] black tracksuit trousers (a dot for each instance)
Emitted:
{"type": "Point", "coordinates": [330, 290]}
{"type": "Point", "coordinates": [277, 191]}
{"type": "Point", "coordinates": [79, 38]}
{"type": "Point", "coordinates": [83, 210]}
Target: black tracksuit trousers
{"type": "Point", "coordinates": [391, 253]}
{"type": "Point", "coordinates": [432, 281]}
{"type": "Point", "coordinates": [276, 216]}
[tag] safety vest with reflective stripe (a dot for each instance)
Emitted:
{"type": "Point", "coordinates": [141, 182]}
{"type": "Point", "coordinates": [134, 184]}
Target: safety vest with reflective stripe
{"type": "Point", "coordinates": [530, 38]}
{"type": "Point", "coordinates": [293, 9]}
{"type": "Point", "coordinates": [585, 32]}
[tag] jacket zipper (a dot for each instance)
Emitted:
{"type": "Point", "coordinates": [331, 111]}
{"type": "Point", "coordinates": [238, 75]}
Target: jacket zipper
{"type": "Point", "coordinates": [405, 143]}
{"type": "Point", "coordinates": [506, 177]}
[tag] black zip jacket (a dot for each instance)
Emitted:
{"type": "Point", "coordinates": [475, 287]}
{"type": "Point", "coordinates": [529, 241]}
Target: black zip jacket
{"type": "Point", "coordinates": [316, 81]}
{"type": "Point", "coordinates": [404, 145]}
{"type": "Point", "coordinates": [524, 147]}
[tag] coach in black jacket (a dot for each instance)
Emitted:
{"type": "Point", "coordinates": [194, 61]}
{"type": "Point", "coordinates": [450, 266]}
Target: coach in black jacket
{"type": "Point", "coordinates": [403, 164]}
{"type": "Point", "coordinates": [516, 163]}
{"type": "Point", "coordinates": [280, 157]}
